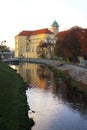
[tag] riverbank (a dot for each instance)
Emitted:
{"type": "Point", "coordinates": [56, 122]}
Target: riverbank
{"type": "Point", "coordinates": [76, 72]}
{"type": "Point", "coordinates": [13, 102]}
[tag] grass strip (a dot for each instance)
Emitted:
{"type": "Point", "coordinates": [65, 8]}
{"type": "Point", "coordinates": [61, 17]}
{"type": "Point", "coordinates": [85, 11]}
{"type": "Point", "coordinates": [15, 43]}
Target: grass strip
{"type": "Point", "coordinates": [13, 102]}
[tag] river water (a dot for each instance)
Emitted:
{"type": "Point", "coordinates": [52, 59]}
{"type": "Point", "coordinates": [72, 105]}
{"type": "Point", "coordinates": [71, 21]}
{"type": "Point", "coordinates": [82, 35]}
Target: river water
{"type": "Point", "coordinates": [54, 104]}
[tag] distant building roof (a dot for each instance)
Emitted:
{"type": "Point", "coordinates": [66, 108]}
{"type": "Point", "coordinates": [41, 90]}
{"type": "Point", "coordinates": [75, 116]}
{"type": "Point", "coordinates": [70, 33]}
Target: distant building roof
{"type": "Point", "coordinates": [55, 24]}
{"type": "Point", "coordinates": [35, 32]}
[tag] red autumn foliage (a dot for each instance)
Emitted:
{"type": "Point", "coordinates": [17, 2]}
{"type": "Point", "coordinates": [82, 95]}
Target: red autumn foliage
{"type": "Point", "coordinates": [72, 43]}
{"type": "Point", "coordinates": [83, 40]}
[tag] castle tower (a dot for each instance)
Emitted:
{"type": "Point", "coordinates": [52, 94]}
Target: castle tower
{"type": "Point", "coordinates": [55, 27]}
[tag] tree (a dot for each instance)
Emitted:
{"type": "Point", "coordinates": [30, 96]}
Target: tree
{"type": "Point", "coordinates": [69, 43]}
{"type": "Point", "coordinates": [3, 47]}
{"type": "Point", "coordinates": [83, 40]}
{"type": "Point", "coordinates": [43, 49]}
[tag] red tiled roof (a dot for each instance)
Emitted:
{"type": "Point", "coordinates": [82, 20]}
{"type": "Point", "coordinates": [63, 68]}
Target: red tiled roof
{"type": "Point", "coordinates": [25, 33]}
{"type": "Point", "coordinates": [41, 31]}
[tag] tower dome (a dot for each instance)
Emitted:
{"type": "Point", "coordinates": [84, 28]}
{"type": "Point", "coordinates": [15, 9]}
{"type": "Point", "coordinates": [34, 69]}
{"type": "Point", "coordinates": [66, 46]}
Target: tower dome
{"type": "Point", "coordinates": [55, 24]}
{"type": "Point", "coordinates": [55, 27]}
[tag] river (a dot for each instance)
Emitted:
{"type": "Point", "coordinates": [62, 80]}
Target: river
{"type": "Point", "coordinates": [54, 104]}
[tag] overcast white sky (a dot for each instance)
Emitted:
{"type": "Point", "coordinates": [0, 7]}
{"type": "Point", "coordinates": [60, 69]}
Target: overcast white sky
{"type": "Point", "coordinates": [19, 15]}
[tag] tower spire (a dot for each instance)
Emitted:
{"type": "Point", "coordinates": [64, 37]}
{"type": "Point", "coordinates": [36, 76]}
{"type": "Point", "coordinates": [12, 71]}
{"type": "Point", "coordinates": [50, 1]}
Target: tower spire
{"type": "Point", "coordinates": [55, 27]}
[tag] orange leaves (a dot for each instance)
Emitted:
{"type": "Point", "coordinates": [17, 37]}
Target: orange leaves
{"type": "Point", "coordinates": [72, 42]}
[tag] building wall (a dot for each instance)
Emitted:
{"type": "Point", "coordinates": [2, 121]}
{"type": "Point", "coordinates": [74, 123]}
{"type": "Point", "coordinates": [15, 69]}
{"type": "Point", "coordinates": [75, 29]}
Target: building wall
{"type": "Point", "coordinates": [20, 46]}
{"type": "Point", "coordinates": [25, 46]}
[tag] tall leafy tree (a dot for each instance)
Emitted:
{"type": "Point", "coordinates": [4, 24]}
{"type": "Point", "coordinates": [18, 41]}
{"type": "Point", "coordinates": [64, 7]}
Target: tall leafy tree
{"type": "Point", "coordinates": [68, 44]}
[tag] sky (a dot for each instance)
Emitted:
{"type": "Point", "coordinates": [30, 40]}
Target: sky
{"type": "Point", "coordinates": [19, 15]}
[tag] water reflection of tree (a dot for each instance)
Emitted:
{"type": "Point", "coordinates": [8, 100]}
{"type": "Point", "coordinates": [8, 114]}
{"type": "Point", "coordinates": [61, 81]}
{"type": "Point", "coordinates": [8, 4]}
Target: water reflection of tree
{"type": "Point", "coordinates": [46, 75]}
{"type": "Point", "coordinates": [71, 96]}
{"type": "Point", "coordinates": [43, 73]}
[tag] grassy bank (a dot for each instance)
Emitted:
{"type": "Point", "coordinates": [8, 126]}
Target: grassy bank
{"type": "Point", "coordinates": [13, 104]}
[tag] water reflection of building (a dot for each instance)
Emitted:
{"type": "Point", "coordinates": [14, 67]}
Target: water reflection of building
{"type": "Point", "coordinates": [35, 74]}
{"type": "Point", "coordinates": [27, 42]}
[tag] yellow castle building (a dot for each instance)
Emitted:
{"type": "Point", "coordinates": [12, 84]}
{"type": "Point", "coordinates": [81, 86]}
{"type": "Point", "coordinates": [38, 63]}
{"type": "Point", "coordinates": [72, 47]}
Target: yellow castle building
{"type": "Point", "coordinates": [37, 43]}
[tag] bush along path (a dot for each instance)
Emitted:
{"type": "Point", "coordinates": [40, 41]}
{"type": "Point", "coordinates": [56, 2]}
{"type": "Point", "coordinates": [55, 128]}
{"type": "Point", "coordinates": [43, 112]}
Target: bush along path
{"type": "Point", "coordinates": [13, 102]}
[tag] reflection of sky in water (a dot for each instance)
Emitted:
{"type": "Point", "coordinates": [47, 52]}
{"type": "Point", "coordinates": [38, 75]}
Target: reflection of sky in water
{"type": "Point", "coordinates": [13, 66]}
{"type": "Point", "coordinates": [42, 103]}
{"type": "Point", "coordinates": [51, 113]}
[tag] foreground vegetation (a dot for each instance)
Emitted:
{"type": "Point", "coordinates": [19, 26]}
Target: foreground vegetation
{"type": "Point", "coordinates": [13, 103]}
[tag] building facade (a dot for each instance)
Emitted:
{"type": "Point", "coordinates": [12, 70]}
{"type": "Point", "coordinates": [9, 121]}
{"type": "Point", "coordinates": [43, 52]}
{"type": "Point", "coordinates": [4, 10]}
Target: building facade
{"type": "Point", "coordinates": [37, 43]}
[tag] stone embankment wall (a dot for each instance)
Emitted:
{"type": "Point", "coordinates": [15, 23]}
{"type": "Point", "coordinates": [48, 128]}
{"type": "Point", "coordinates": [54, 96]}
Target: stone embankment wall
{"type": "Point", "coordinates": [78, 73]}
